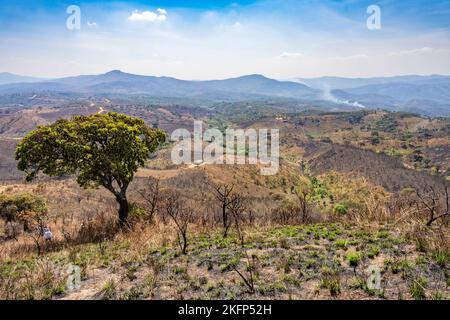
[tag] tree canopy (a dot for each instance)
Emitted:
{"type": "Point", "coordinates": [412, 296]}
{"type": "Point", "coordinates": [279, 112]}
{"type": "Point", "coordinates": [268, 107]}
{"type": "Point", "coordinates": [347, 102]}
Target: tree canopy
{"type": "Point", "coordinates": [101, 150]}
{"type": "Point", "coordinates": [11, 206]}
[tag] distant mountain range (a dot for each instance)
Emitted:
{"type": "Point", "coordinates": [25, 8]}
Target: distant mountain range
{"type": "Point", "coordinates": [117, 82]}
{"type": "Point", "coordinates": [427, 95]}
{"type": "Point", "coordinates": [8, 78]}
{"type": "Point", "coordinates": [333, 83]}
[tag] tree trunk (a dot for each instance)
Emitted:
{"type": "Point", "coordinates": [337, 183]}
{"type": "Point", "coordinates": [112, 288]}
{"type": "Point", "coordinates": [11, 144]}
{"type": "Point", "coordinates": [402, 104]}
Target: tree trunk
{"type": "Point", "coordinates": [225, 219]}
{"type": "Point", "coordinates": [123, 210]}
{"type": "Point", "coordinates": [184, 243]}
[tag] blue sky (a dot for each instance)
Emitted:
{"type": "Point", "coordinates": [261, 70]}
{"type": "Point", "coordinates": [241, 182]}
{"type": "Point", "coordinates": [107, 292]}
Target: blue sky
{"type": "Point", "coordinates": [219, 39]}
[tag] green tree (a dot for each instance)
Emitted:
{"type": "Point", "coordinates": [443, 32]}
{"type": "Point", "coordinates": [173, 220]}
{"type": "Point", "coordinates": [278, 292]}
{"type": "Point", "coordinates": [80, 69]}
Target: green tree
{"type": "Point", "coordinates": [12, 206]}
{"type": "Point", "coordinates": [101, 150]}
{"type": "Point", "coordinates": [305, 193]}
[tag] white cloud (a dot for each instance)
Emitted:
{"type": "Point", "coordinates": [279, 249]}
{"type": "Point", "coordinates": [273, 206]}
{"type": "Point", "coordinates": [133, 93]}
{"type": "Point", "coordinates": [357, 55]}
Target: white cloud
{"type": "Point", "coordinates": [210, 15]}
{"type": "Point", "coordinates": [91, 24]}
{"type": "Point", "coordinates": [229, 27]}
{"type": "Point", "coordinates": [291, 55]}
{"type": "Point", "coordinates": [412, 51]}
{"type": "Point", "coordinates": [349, 58]}
{"type": "Point", "coordinates": [160, 15]}
{"type": "Point", "coordinates": [161, 11]}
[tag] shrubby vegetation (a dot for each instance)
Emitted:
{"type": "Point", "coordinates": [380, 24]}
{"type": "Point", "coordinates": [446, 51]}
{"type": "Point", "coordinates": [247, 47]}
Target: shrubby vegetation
{"type": "Point", "coordinates": [12, 207]}
{"type": "Point", "coordinates": [225, 232]}
{"type": "Point", "coordinates": [102, 150]}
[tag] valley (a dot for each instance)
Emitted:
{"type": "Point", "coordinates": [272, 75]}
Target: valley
{"type": "Point", "coordinates": [368, 166]}
{"type": "Point", "coordinates": [225, 154]}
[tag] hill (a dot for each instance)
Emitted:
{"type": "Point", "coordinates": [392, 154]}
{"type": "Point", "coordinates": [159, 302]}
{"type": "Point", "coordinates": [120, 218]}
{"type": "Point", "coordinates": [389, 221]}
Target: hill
{"type": "Point", "coordinates": [348, 83]}
{"type": "Point", "coordinates": [427, 95]}
{"type": "Point", "coordinates": [341, 207]}
{"type": "Point", "coordinates": [8, 78]}
{"type": "Point", "coordinates": [117, 82]}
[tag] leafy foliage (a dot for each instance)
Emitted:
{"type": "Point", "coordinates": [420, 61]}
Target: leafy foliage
{"type": "Point", "coordinates": [340, 209]}
{"type": "Point", "coordinates": [13, 206]}
{"type": "Point", "coordinates": [102, 150]}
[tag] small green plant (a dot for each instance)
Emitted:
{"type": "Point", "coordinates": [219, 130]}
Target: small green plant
{"type": "Point", "coordinates": [354, 258]}
{"type": "Point", "coordinates": [383, 234]}
{"type": "Point", "coordinates": [438, 296]}
{"type": "Point", "coordinates": [341, 243]}
{"type": "Point", "coordinates": [284, 244]}
{"type": "Point", "coordinates": [137, 212]}
{"type": "Point", "coordinates": [340, 209]}
{"type": "Point", "coordinates": [398, 266]}
{"type": "Point", "coordinates": [441, 258]}
{"type": "Point", "coordinates": [331, 281]}
{"type": "Point", "coordinates": [417, 289]}
{"type": "Point", "coordinates": [285, 264]}
{"type": "Point", "coordinates": [333, 285]}
{"type": "Point", "coordinates": [421, 244]}
{"type": "Point", "coordinates": [291, 279]}
{"type": "Point", "coordinates": [373, 252]}
{"type": "Point", "coordinates": [109, 290]}
{"type": "Point", "coordinates": [421, 261]}
{"type": "Point", "coordinates": [310, 263]}
{"type": "Point", "coordinates": [180, 270]}
{"type": "Point", "coordinates": [210, 287]}
{"type": "Point", "coordinates": [357, 283]}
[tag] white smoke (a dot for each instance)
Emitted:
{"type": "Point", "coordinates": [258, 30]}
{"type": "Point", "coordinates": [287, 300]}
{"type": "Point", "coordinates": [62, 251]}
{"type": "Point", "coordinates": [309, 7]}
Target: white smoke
{"type": "Point", "coordinates": [328, 95]}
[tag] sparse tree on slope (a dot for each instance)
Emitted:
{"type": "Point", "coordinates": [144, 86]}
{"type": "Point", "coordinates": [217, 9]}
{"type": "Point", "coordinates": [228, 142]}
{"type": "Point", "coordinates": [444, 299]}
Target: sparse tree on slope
{"type": "Point", "coordinates": [101, 150]}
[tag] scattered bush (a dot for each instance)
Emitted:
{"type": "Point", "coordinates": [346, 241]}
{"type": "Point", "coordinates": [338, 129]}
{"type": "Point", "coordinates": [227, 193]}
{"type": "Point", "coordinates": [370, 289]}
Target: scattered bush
{"type": "Point", "coordinates": [354, 258]}
{"type": "Point", "coordinates": [417, 289]}
{"type": "Point", "coordinates": [12, 206]}
{"type": "Point", "coordinates": [441, 258]}
{"type": "Point", "coordinates": [340, 209]}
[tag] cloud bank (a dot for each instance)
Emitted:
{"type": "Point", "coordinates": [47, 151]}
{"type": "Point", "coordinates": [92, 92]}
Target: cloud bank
{"type": "Point", "coordinates": [160, 15]}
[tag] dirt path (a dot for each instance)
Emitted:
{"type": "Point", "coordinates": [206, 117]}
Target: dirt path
{"type": "Point", "coordinates": [91, 287]}
{"type": "Point", "coordinates": [159, 174]}
{"type": "Point", "coordinates": [170, 173]}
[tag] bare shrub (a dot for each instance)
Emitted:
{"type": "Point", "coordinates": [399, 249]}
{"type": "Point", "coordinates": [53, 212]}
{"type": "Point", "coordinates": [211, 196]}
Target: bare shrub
{"type": "Point", "coordinates": [181, 214]}
{"type": "Point", "coordinates": [434, 203]}
{"type": "Point", "coordinates": [152, 197]}
{"type": "Point", "coordinates": [248, 276]}
{"type": "Point", "coordinates": [99, 228]}
{"type": "Point", "coordinates": [224, 195]}
{"type": "Point", "coordinates": [237, 209]}
{"type": "Point", "coordinates": [304, 194]}
{"type": "Point", "coordinates": [232, 206]}
{"type": "Point", "coordinates": [38, 220]}
{"type": "Point", "coordinates": [286, 213]}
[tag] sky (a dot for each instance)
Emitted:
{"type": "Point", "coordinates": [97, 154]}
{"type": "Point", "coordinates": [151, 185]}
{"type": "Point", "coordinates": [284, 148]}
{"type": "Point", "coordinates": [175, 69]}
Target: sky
{"type": "Point", "coordinates": [217, 39]}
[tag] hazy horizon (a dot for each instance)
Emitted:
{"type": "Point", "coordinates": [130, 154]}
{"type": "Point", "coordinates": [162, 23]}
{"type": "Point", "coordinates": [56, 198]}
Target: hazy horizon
{"type": "Point", "coordinates": [47, 78]}
{"type": "Point", "coordinates": [223, 39]}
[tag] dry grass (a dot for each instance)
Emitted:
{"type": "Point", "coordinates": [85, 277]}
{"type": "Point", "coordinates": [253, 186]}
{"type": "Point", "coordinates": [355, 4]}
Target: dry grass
{"type": "Point", "coordinates": [301, 261]}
